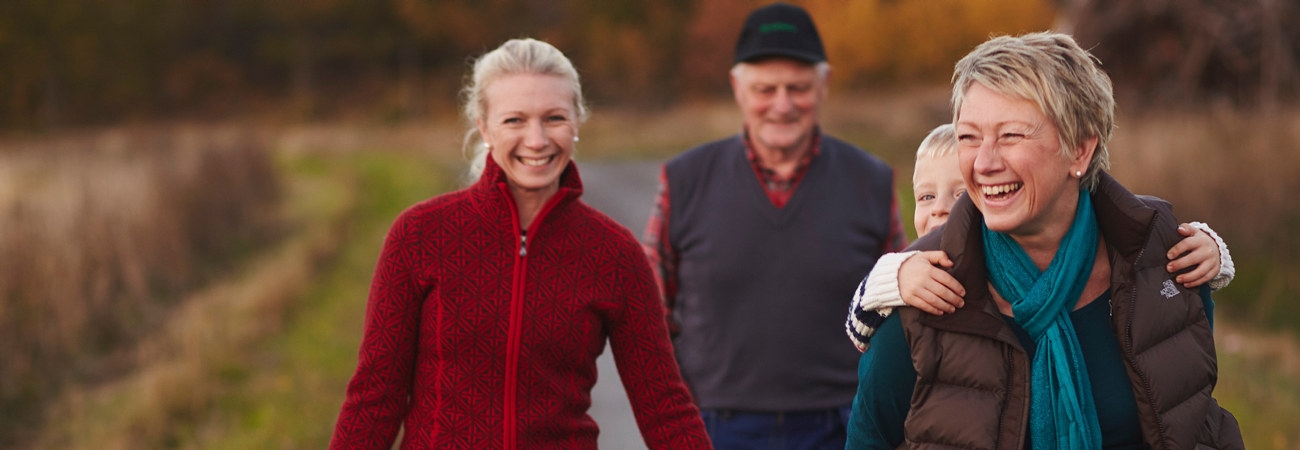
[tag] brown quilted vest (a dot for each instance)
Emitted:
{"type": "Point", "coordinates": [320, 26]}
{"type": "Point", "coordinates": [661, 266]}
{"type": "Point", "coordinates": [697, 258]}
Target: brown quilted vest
{"type": "Point", "coordinates": [972, 388]}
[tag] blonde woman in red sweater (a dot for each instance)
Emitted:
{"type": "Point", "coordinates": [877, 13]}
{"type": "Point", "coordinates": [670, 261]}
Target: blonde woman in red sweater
{"type": "Point", "coordinates": [490, 304]}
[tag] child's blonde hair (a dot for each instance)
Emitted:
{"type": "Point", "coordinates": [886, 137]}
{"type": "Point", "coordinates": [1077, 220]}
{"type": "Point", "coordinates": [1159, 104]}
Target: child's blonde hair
{"type": "Point", "coordinates": [942, 141]}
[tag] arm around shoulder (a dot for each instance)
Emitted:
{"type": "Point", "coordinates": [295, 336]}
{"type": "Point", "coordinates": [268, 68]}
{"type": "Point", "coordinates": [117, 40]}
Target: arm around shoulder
{"type": "Point", "coordinates": [875, 298]}
{"type": "Point", "coordinates": [1226, 268]}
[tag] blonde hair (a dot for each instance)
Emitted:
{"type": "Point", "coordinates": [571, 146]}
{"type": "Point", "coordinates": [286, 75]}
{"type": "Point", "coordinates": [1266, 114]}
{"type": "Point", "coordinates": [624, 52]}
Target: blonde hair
{"type": "Point", "coordinates": [1052, 71]}
{"type": "Point", "coordinates": [514, 57]}
{"type": "Point", "coordinates": [942, 141]}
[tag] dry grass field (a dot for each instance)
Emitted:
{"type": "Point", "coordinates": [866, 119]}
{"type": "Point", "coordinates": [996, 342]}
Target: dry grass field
{"type": "Point", "coordinates": [202, 287]}
{"type": "Point", "coordinates": [102, 233]}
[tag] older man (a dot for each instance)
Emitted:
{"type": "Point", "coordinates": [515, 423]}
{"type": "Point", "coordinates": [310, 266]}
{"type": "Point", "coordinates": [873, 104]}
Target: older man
{"type": "Point", "coordinates": [759, 240]}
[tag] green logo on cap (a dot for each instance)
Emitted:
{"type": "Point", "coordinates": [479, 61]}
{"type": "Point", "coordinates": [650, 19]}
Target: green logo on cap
{"type": "Point", "coordinates": [776, 26]}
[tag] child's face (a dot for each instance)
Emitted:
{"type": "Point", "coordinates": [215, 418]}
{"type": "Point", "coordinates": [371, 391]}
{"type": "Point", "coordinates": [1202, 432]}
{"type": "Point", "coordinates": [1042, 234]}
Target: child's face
{"type": "Point", "coordinates": [936, 183]}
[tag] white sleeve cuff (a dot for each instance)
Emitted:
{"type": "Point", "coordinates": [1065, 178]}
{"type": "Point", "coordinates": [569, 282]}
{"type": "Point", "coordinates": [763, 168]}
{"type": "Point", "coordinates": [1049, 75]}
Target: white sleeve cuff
{"type": "Point", "coordinates": [874, 299]}
{"type": "Point", "coordinates": [880, 290]}
{"type": "Point", "coordinates": [1226, 269]}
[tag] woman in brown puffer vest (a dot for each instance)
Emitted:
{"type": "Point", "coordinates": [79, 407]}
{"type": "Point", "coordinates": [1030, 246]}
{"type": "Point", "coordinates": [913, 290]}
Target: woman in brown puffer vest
{"type": "Point", "coordinates": [1073, 335]}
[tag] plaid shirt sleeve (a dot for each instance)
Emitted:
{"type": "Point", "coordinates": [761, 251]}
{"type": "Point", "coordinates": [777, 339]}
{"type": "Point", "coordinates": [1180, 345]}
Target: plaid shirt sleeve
{"type": "Point", "coordinates": [897, 240]}
{"type": "Point", "coordinates": [663, 256]}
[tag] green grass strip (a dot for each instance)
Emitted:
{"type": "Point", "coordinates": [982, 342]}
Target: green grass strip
{"type": "Point", "coordinates": [293, 395]}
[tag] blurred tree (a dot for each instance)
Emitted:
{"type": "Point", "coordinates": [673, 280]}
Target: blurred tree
{"type": "Point", "coordinates": [55, 53]}
{"type": "Point", "coordinates": [631, 49]}
{"type": "Point", "coordinates": [710, 45]}
{"type": "Point", "coordinates": [873, 42]}
{"type": "Point", "coordinates": [70, 62]}
{"type": "Point", "coordinates": [1180, 52]}
{"type": "Point", "coordinates": [451, 32]}
{"type": "Point", "coordinates": [332, 46]}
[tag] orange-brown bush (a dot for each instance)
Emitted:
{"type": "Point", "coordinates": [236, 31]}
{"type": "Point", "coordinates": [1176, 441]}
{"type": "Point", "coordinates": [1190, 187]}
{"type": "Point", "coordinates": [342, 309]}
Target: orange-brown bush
{"type": "Point", "coordinates": [880, 41]}
{"type": "Point", "coordinates": [101, 232]}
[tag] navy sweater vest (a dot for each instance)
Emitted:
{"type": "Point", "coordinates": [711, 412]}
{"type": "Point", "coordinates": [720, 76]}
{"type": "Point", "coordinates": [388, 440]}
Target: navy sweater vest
{"type": "Point", "coordinates": [763, 290]}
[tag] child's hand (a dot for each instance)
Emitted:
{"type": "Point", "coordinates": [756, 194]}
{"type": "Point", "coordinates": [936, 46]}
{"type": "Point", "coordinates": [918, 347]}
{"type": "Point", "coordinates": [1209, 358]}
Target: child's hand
{"type": "Point", "coordinates": [1197, 250]}
{"type": "Point", "coordinates": [924, 286]}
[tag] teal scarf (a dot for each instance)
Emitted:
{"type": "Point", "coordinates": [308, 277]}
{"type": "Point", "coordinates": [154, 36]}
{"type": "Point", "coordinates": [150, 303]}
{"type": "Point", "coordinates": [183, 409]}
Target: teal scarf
{"type": "Point", "coordinates": [1062, 413]}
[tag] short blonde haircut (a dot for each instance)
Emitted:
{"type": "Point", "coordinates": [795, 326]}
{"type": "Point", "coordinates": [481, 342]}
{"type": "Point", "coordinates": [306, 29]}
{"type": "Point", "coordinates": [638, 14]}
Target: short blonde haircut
{"type": "Point", "coordinates": [1052, 71]}
{"type": "Point", "coordinates": [514, 57]}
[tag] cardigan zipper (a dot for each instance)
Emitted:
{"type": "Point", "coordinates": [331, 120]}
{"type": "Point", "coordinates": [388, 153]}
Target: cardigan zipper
{"type": "Point", "coordinates": [512, 349]}
{"type": "Point", "coordinates": [510, 439]}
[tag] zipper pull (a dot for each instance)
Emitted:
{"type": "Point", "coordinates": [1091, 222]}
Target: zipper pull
{"type": "Point", "coordinates": [523, 244]}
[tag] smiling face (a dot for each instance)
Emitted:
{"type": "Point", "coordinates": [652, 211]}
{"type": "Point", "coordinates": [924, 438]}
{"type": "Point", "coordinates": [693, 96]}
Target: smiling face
{"type": "Point", "coordinates": [779, 99]}
{"type": "Point", "coordinates": [1013, 168]}
{"type": "Point", "coordinates": [529, 125]}
{"type": "Point", "coordinates": [937, 184]}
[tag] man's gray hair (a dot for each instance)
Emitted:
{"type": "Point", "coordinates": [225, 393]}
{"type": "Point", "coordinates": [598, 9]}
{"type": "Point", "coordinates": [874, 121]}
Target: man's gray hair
{"type": "Point", "coordinates": [823, 69]}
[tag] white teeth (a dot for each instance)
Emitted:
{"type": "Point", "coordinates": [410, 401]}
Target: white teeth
{"type": "Point", "coordinates": [535, 161]}
{"type": "Point", "coordinates": [1000, 189]}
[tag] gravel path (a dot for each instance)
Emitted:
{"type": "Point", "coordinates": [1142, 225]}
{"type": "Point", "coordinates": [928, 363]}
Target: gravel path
{"type": "Point", "coordinates": [625, 191]}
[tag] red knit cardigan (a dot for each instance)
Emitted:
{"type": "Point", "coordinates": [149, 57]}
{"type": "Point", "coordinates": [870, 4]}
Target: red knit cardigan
{"type": "Point", "coordinates": [476, 337]}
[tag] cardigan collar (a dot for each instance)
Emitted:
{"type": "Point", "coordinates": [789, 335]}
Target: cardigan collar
{"type": "Point", "coordinates": [493, 182]}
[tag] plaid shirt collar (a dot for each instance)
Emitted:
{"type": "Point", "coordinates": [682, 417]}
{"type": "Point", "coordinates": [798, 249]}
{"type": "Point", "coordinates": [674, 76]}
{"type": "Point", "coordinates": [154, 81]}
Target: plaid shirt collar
{"type": "Point", "coordinates": [779, 189]}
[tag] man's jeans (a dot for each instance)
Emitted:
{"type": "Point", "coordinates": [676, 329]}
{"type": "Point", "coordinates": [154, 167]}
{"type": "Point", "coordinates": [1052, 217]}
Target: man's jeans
{"type": "Point", "coordinates": [813, 430]}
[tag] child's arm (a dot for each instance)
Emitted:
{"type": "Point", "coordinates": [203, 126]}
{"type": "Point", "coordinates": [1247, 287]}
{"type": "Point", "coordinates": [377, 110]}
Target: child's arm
{"type": "Point", "coordinates": [898, 279]}
{"type": "Point", "coordinates": [924, 284]}
{"type": "Point", "coordinates": [1203, 255]}
{"type": "Point", "coordinates": [875, 299]}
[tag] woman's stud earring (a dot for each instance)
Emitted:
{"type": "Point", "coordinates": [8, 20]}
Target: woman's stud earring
{"type": "Point", "coordinates": [575, 139]}
{"type": "Point", "coordinates": [1078, 174]}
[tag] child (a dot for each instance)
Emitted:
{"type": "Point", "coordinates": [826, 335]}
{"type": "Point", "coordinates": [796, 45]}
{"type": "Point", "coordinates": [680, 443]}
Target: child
{"type": "Point", "coordinates": [899, 279]}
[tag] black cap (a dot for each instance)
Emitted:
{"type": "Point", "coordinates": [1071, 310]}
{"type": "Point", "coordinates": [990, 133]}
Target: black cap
{"type": "Point", "coordinates": [780, 29]}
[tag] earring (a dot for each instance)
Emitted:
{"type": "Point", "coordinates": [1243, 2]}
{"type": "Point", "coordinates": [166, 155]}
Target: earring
{"type": "Point", "coordinates": [1078, 174]}
{"type": "Point", "coordinates": [575, 139]}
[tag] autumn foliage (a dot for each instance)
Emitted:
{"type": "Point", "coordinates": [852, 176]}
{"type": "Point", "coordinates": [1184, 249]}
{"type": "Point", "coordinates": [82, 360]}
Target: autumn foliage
{"type": "Point", "coordinates": [71, 62]}
{"type": "Point", "coordinates": [875, 43]}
